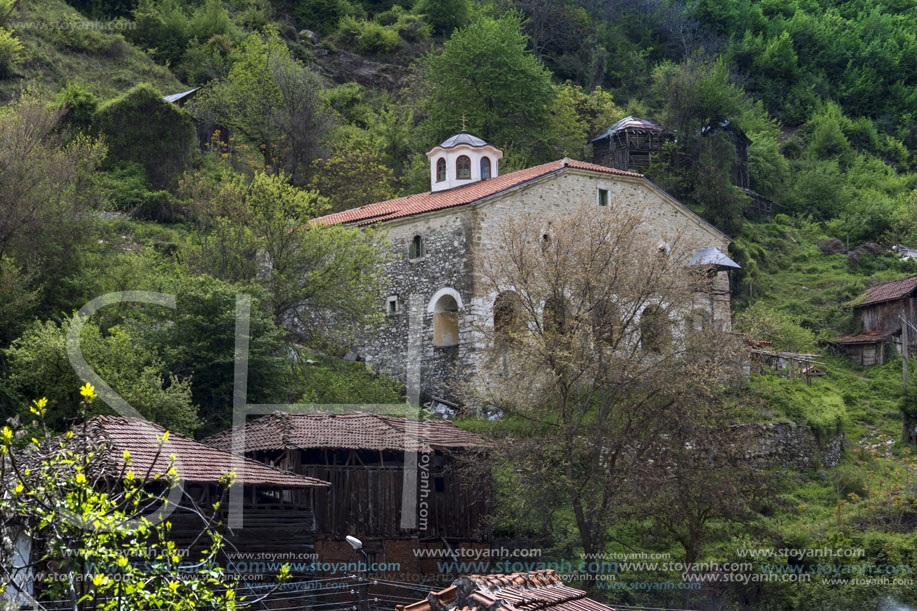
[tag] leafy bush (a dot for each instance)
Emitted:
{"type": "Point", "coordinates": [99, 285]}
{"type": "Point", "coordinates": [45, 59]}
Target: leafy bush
{"type": "Point", "coordinates": [377, 39]}
{"type": "Point", "coordinates": [79, 106]}
{"type": "Point", "coordinates": [444, 15]}
{"type": "Point", "coordinates": [369, 36]}
{"type": "Point", "coordinates": [762, 323]}
{"type": "Point", "coordinates": [141, 127]}
{"type": "Point", "coordinates": [321, 16]}
{"type": "Point", "coordinates": [10, 52]}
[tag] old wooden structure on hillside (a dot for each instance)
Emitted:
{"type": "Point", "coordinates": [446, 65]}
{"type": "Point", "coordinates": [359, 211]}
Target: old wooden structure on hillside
{"type": "Point", "coordinates": [366, 457]}
{"type": "Point", "coordinates": [631, 144]}
{"type": "Point", "coordinates": [880, 314]}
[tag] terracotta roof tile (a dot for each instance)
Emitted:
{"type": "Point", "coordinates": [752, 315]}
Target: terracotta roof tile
{"type": "Point", "coordinates": [282, 430]}
{"type": "Point", "coordinates": [532, 591]}
{"type": "Point", "coordinates": [428, 202]}
{"type": "Point", "coordinates": [194, 461]}
{"type": "Point", "coordinates": [889, 291]}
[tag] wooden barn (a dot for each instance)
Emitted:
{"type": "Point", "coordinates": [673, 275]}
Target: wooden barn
{"type": "Point", "coordinates": [274, 520]}
{"type": "Point", "coordinates": [880, 314]}
{"type": "Point", "coordinates": [630, 144]}
{"type": "Point", "coordinates": [366, 457]}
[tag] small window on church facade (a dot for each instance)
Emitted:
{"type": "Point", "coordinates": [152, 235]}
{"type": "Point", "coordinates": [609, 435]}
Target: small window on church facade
{"type": "Point", "coordinates": [393, 306]}
{"type": "Point", "coordinates": [441, 169]}
{"type": "Point", "coordinates": [485, 168]}
{"type": "Point", "coordinates": [603, 197]}
{"type": "Point", "coordinates": [416, 247]}
{"type": "Point", "coordinates": [463, 167]}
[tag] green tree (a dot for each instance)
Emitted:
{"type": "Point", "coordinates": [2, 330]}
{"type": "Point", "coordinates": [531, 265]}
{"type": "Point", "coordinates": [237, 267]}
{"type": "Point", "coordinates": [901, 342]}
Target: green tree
{"type": "Point", "coordinates": [322, 283]}
{"type": "Point", "coordinates": [274, 101]}
{"type": "Point", "coordinates": [58, 493]}
{"type": "Point", "coordinates": [486, 74]}
{"type": "Point", "coordinates": [353, 176]}
{"type": "Point", "coordinates": [46, 192]}
{"type": "Point", "coordinates": [444, 15]}
{"type": "Point", "coordinates": [38, 363]}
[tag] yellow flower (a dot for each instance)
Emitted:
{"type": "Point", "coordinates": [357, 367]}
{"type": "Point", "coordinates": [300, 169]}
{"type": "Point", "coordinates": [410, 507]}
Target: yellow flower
{"type": "Point", "coordinates": [80, 478]}
{"type": "Point", "coordinates": [88, 391]}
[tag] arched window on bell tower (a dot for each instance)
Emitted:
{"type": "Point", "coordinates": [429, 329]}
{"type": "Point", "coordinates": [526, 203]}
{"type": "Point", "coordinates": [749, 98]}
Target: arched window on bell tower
{"type": "Point", "coordinates": [463, 168]}
{"type": "Point", "coordinates": [441, 169]}
{"type": "Point", "coordinates": [462, 160]}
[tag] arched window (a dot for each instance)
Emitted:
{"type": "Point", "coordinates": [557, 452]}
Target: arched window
{"type": "Point", "coordinates": [507, 314]}
{"type": "Point", "coordinates": [416, 247]}
{"type": "Point", "coordinates": [606, 322]}
{"type": "Point", "coordinates": [445, 321]}
{"type": "Point", "coordinates": [485, 168]}
{"type": "Point", "coordinates": [441, 169]}
{"type": "Point", "coordinates": [463, 167]}
{"type": "Point", "coordinates": [655, 331]}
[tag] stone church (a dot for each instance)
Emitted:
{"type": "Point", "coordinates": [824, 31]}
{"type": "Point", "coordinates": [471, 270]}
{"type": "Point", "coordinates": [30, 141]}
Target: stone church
{"type": "Point", "coordinates": [438, 239]}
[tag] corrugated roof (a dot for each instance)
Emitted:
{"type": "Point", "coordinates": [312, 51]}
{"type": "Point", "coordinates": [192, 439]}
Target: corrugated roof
{"type": "Point", "coordinates": [282, 430]}
{"type": "Point", "coordinates": [531, 591]}
{"type": "Point", "coordinates": [430, 201]}
{"type": "Point", "coordinates": [889, 291]}
{"type": "Point", "coordinates": [175, 97]}
{"type": "Point", "coordinates": [194, 461]}
{"type": "Point", "coordinates": [867, 337]}
{"type": "Point", "coordinates": [629, 123]}
{"type": "Point", "coordinates": [713, 256]}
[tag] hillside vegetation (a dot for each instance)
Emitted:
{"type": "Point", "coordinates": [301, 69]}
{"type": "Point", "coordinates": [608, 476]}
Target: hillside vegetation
{"type": "Point", "coordinates": [311, 106]}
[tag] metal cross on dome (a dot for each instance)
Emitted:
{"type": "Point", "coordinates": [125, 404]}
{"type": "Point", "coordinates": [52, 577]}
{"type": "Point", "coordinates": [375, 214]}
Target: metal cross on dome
{"type": "Point", "coordinates": [463, 122]}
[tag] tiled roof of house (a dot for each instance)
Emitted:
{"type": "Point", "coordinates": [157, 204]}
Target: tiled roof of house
{"type": "Point", "coordinates": [530, 591]}
{"type": "Point", "coordinates": [429, 202]}
{"type": "Point", "coordinates": [889, 291]}
{"type": "Point", "coordinates": [194, 461]}
{"type": "Point", "coordinates": [282, 430]}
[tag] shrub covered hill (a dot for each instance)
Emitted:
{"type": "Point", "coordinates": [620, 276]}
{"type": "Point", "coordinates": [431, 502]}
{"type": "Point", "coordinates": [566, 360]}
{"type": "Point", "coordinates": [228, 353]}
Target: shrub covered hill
{"type": "Point", "coordinates": [308, 106]}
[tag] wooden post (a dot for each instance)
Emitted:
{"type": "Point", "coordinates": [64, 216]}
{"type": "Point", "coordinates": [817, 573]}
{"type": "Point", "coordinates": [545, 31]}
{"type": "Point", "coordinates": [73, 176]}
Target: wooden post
{"type": "Point", "coordinates": [364, 596]}
{"type": "Point", "coordinates": [904, 350]}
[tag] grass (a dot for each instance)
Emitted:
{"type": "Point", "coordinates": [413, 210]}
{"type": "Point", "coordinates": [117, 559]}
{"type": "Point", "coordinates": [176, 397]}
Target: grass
{"type": "Point", "coordinates": [54, 55]}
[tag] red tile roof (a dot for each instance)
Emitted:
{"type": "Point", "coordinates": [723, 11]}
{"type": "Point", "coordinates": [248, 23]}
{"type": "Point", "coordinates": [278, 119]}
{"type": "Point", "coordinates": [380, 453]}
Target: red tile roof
{"type": "Point", "coordinates": [889, 291]}
{"type": "Point", "coordinates": [194, 461]}
{"type": "Point", "coordinates": [428, 202]}
{"type": "Point", "coordinates": [282, 430]}
{"type": "Point", "coordinates": [530, 591]}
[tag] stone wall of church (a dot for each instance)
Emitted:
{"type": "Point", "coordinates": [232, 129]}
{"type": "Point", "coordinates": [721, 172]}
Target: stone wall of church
{"type": "Point", "coordinates": [403, 347]}
{"type": "Point", "coordinates": [455, 241]}
{"type": "Point", "coordinates": [559, 194]}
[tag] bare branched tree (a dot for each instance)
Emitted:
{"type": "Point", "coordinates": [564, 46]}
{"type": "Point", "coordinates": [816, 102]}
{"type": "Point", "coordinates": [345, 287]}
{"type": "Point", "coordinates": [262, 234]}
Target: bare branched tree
{"type": "Point", "coordinates": [599, 338]}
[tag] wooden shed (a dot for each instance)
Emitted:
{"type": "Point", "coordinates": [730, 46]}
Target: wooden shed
{"type": "Point", "coordinates": [366, 457]}
{"type": "Point", "coordinates": [880, 313]}
{"type": "Point", "coordinates": [274, 519]}
{"type": "Point", "coordinates": [124, 449]}
{"type": "Point", "coordinates": [630, 144]}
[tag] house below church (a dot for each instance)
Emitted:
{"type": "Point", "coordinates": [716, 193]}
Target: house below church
{"type": "Point", "coordinates": [439, 239]}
